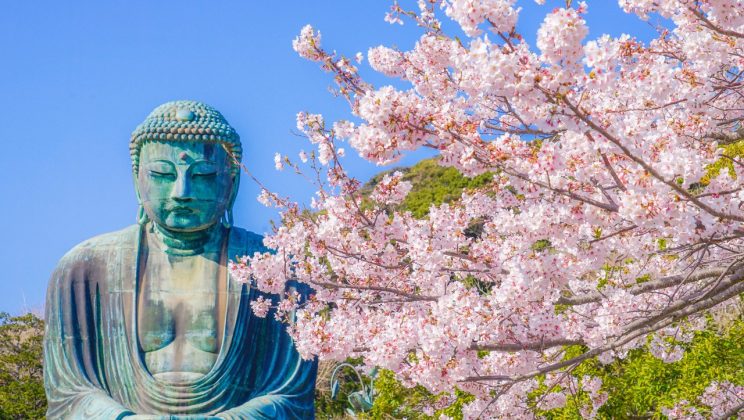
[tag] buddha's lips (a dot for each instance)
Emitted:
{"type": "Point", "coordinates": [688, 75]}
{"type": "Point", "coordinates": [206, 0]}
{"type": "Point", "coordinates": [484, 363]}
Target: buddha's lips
{"type": "Point", "coordinates": [181, 210]}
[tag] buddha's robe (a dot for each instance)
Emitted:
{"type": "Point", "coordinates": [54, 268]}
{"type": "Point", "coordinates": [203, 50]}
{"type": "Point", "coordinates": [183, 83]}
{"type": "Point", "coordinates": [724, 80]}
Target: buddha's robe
{"type": "Point", "coordinates": [93, 367]}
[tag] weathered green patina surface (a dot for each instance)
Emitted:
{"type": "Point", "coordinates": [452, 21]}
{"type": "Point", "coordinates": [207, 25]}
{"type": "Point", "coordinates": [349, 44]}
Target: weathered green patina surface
{"type": "Point", "coordinates": [146, 322]}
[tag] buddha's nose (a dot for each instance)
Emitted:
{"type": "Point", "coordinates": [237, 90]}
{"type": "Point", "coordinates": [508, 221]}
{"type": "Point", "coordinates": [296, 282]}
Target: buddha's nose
{"type": "Point", "coordinates": [182, 189]}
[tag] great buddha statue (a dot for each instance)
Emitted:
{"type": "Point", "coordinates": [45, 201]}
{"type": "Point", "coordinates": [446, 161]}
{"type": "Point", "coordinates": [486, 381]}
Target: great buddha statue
{"type": "Point", "coordinates": [147, 322]}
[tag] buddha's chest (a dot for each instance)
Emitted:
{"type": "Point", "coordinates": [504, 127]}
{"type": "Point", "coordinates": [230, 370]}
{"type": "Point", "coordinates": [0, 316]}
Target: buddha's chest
{"type": "Point", "coordinates": [166, 316]}
{"type": "Point", "coordinates": [178, 314]}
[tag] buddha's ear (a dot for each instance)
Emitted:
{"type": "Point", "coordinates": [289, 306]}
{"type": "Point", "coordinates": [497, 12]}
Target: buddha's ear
{"type": "Point", "coordinates": [233, 191]}
{"type": "Point", "coordinates": [136, 186]}
{"type": "Point", "coordinates": [142, 217]}
{"type": "Point", "coordinates": [227, 220]}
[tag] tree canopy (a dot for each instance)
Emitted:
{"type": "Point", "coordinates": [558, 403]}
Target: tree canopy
{"type": "Point", "coordinates": [600, 230]}
{"type": "Point", "coordinates": [21, 373]}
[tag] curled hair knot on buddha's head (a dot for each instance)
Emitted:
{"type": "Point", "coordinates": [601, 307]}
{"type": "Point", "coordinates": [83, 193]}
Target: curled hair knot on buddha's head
{"type": "Point", "coordinates": [187, 121]}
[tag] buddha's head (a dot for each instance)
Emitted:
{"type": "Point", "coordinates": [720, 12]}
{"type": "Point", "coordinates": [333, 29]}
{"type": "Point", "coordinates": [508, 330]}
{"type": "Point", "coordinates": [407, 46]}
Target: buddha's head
{"type": "Point", "coordinates": [184, 163]}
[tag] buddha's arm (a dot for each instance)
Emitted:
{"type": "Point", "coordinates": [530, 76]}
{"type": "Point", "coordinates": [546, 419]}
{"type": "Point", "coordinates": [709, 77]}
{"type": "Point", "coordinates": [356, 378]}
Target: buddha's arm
{"type": "Point", "coordinates": [69, 394]}
{"type": "Point", "coordinates": [69, 362]}
{"type": "Point", "coordinates": [287, 387]}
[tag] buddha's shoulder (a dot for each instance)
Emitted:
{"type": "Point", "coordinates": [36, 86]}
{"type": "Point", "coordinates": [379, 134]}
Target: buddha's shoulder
{"type": "Point", "coordinates": [94, 255]}
{"type": "Point", "coordinates": [246, 240]}
{"type": "Point", "coordinates": [105, 243]}
{"type": "Point", "coordinates": [125, 240]}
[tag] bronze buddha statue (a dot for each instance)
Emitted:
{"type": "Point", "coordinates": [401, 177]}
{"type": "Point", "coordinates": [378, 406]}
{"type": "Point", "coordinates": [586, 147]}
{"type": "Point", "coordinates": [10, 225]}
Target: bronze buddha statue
{"type": "Point", "coordinates": [147, 322]}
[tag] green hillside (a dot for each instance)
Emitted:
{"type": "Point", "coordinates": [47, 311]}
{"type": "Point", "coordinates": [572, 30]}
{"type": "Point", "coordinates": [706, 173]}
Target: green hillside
{"type": "Point", "coordinates": [432, 185]}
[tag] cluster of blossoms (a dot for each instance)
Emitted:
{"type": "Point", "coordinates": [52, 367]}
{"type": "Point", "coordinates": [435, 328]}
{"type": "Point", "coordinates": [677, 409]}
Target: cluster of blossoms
{"type": "Point", "coordinates": [392, 189]}
{"type": "Point", "coordinates": [470, 14]}
{"type": "Point", "coordinates": [308, 43]}
{"type": "Point", "coordinates": [559, 38]}
{"type": "Point", "coordinates": [601, 226]}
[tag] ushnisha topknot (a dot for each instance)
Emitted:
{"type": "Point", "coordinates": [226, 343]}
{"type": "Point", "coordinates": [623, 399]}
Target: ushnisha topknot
{"type": "Point", "coordinates": [185, 121]}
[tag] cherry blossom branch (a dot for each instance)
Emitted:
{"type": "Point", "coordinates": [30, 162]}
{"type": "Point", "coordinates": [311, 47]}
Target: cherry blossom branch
{"type": "Point", "coordinates": [710, 25]}
{"type": "Point", "coordinates": [410, 296]}
{"type": "Point", "coordinates": [618, 232]}
{"type": "Point", "coordinates": [610, 207]}
{"type": "Point", "coordinates": [533, 346]}
{"type": "Point", "coordinates": [583, 117]}
{"type": "Point", "coordinates": [609, 167]}
{"type": "Point", "coordinates": [652, 285]}
{"type": "Point", "coordinates": [729, 414]}
{"type": "Point", "coordinates": [634, 331]}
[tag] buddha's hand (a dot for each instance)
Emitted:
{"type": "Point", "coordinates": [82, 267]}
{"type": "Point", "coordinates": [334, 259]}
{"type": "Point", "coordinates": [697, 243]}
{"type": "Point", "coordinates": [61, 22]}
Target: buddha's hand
{"type": "Point", "coordinates": [264, 407]}
{"type": "Point", "coordinates": [169, 417]}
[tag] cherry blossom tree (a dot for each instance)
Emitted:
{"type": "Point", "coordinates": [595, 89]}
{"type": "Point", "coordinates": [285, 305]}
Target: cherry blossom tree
{"type": "Point", "coordinates": [601, 227]}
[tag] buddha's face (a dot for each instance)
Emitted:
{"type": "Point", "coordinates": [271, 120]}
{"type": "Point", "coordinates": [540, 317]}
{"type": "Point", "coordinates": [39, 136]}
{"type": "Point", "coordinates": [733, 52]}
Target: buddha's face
{"type": "Point", "coordinates": [184, 186]}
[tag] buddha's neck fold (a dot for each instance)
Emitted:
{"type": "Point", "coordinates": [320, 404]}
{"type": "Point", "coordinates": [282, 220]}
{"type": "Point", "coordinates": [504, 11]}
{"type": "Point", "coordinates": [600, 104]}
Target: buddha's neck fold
{"type": "Point", "coordinates": [186, 243]}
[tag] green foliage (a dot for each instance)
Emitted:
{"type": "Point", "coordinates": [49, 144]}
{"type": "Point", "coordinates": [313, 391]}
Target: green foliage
{"type": "Point", "coordinates": [455, 410]}
{"type": "Point", "coordinates": [327, 407]}
{"type": "Point", "coordinates": [732, 150]}
{"type": "Point", "coordinates": [541, 245]}
{"type": "Point", "coordinates": [641, 385]}
{"type": "Point", "coordinates": [644, 384]}
{"type": "Point", "coordinates": [392, 399]}
{"type": "Point", "coordinates": [21, 372]}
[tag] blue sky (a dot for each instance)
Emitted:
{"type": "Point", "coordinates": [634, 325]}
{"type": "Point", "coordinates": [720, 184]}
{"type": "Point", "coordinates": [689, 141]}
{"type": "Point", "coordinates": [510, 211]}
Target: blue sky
{"type": "Point", "coordinates": [77, 77]}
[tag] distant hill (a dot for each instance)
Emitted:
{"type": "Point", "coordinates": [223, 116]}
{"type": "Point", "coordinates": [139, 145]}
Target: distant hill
{"type": "Point", "coordinates": [432, 185]}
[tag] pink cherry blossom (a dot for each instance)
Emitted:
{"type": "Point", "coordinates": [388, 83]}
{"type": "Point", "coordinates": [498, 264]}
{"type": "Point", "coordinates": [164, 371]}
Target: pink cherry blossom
{"type": "Point", "coordinates": [723, 399]}
{"type": "Point", "coordinates": [392, 189]}
{"type": "Point", "coordinates": [559, 38]}
{"type": "Point", "coordinates": [387, 61]}
{"type": "Point", "coordinates": [307, 44]}
{"type": "Point", "coordinates": [278, 163]}
{"type": "Point", "coordinates": [470, 14]}
{"type": "Point", "coordinates": [261, 306]}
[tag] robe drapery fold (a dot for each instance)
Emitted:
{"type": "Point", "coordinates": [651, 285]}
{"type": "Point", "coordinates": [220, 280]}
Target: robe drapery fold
{"type": "Point", "coordinates": [93, 367]}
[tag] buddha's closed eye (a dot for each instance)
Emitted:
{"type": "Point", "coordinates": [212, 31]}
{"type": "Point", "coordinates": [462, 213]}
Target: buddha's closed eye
{"type": "Point", "coordinates": [204, 174]}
